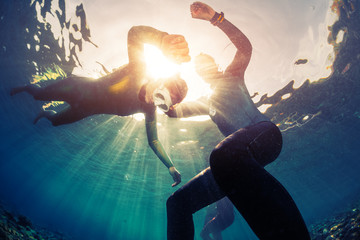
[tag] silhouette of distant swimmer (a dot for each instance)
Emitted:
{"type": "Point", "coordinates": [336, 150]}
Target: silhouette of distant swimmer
{"type": "Point", "coordinates": [218, 220]}
{"type": "Point", "coordinates": [124, 92]}
{"type": "Point", "coordinates": [237, 163]}
{"type": "Point", "coordinates": [301, 61]}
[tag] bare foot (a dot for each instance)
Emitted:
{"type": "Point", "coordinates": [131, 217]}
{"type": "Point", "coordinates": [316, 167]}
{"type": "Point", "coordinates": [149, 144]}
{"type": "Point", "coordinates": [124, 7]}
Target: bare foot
{"type": "Point", "coordinates": [17, 90]}
{"type": "Point", "coordinates": [32, 89]}
{"type": "Point", "coordinates": [45, 113]}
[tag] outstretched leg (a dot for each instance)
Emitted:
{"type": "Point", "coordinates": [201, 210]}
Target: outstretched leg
{"type": "Point", "coordinates": [66, 116]}
{"type": "Point", "coordinates": [70, 89]}
{"type": "Point", "coordinates": [199, 192]}
{"type": "Point", "coordinates": [237, 165]}
{"type": "Point", "coordinates": [31, 89]}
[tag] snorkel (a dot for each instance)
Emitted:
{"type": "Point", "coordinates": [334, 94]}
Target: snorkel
{"type": "Point", "coordinates": [162, 98]}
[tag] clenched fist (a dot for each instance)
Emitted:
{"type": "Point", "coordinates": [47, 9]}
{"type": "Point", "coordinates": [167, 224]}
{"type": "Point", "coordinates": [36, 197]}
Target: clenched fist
{"type": "Point", "coordinates": [175, 48]}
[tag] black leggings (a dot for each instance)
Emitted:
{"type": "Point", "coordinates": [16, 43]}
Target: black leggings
{"type": "Point", "coordinates": [237, 171]}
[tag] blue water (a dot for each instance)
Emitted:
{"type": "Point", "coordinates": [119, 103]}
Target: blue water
{"type": "Point", "coordinates": [93, 182]}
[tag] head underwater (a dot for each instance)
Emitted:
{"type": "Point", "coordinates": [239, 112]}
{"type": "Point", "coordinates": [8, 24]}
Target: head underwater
{"type": "Point", "coordinates": [172, 91]}
{"type": "Point", "coordinates": [162, 98]}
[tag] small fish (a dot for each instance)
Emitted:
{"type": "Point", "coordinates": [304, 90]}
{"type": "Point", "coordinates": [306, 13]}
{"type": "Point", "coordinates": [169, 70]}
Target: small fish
{"type": "Point", "coordinates": [301, 61]}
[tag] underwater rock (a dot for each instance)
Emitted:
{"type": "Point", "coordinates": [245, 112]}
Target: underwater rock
{"type": "Point", "coordinates": [19, 227]}
{"type": "Point", "coordinates": [344, 226]}
{"type": "Point", "coordinates": [24, 221]}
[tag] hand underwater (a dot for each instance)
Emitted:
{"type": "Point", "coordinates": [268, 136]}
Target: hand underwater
{"type": "Point", "coordinates": [176, 176]}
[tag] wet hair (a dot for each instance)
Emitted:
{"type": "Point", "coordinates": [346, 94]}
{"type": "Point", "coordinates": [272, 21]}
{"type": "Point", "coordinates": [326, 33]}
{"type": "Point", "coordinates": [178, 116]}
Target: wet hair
{"type": "Point", "coordinates": [177, 88]}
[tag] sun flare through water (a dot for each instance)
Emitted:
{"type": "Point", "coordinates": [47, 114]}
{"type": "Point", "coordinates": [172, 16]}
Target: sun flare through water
{"type": "Point", "coordinates": [158, 66]}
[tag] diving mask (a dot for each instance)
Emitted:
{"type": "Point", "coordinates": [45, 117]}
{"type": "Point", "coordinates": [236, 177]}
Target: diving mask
{"type": "Point", "coordinates": [162, 99]}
